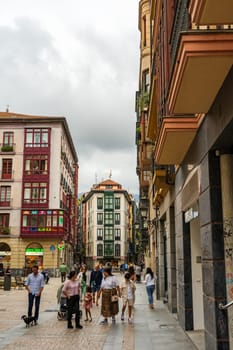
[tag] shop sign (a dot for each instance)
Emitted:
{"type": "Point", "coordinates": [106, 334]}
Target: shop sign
{"type": "Point", "coordinates": [34, 251]}
{"type": "Point", "coordinates": [61, 245]}
{"type": "Point", "coordinates": [190, 214]}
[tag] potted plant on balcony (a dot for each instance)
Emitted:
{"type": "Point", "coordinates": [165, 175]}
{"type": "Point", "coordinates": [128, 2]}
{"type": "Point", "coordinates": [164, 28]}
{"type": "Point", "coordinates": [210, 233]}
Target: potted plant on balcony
{"type": "Point", "coordinates": [7, 148]}
{"type": "Point", "coordinates": [5, 230]}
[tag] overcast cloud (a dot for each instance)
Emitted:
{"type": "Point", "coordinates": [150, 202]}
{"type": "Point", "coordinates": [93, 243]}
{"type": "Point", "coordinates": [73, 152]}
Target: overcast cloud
{"type": "Point", "coordinates": [78, 59]}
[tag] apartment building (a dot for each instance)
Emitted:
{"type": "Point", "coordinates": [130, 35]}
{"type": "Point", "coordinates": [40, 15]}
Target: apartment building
{"type": "Point", "coordinates": [107, 224]}
{"type": "Point", "coordinates": [189, 121]}
{"type": "Point", "coordinates": [38, 192]}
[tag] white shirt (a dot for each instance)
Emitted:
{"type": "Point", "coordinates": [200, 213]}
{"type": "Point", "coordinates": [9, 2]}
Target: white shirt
{"type": "Point", "coordinates": [109, 282]}
{"type": "Point", "coordinates": [149, 281]}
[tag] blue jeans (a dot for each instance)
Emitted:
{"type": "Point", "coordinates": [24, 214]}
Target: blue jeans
{"type": "Point", "coordinates": [150, 290]}
{"type": "Point", "coordinates": [31, 298]}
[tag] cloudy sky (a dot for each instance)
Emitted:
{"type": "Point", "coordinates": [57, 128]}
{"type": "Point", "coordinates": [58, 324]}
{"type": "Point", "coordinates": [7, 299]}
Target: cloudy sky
{"type": "Point", "coordinates": [78, 59]}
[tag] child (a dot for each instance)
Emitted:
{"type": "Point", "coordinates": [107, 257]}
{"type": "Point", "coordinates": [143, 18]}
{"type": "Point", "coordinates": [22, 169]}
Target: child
{"type": "Point", "coordinates": [128, 293]}
{"type": "Point", "coordinates": [88, 303]}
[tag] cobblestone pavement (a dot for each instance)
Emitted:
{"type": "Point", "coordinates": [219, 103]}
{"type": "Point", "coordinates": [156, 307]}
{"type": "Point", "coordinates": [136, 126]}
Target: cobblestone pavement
{"type": "Point", "coordinates": [151, 329]}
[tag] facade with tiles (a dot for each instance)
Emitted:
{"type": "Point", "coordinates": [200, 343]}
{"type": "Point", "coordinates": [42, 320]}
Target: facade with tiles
{"type": "Point", "coordinates": [189, 121]}
{"type": "Point", "coordinates": [38, 192]}
{"type": "Point", "coordinates": [107, 224]}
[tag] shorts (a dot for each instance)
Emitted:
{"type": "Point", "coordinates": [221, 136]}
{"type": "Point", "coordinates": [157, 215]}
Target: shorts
{"type": "Point", "coordinates": [129, 302]}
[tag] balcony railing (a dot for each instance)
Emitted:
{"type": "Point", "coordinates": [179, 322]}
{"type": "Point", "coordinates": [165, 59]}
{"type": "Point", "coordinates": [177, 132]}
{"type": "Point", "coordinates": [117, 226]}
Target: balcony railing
{"type": "Point", "coordinates": [5, 148]}
{"type": "Point", "coordinates": [5, 230]}
{"type": "Point", "coordinates": [5, 203]}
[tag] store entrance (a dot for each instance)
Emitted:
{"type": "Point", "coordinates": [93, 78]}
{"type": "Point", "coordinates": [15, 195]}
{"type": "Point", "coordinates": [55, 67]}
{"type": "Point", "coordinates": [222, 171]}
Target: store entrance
{"type": "Point", "coordinates": [33, 256]}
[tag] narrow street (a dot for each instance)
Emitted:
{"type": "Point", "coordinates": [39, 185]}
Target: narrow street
{"type": "Point", "coordinates": [152, 329]}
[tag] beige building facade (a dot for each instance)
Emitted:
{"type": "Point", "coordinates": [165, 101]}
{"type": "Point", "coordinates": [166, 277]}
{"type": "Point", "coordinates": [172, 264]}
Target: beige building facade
{"type": "Point", "coordinates": [38, 192]}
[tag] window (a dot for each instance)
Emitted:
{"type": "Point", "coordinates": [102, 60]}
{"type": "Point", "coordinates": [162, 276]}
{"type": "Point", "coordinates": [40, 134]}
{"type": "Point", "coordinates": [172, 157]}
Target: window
{"type": "Point", "coordinates": [6, 168]}
{"type": "Point", "coordinates": [5, 195]}
{"type": "Point", "coordinates": [99, 234]}
{"type": "Point", "coordinates": [117, 203]}
{"type": "Point", "coordinates": [4, 220]}
{"type": "Point", "coordinates": [99, 218]}
{"type": "Point", "coordinates": [108, 201]}
{"type": "Point", "coordinates": [36, 164]}
{"type": "Point", "coordinates": [108, 249]}
{"type": "Point", "coordinates": [108, 233]}
{"type": "Point", "coordinates": [99, 249]}
{"type": "Point", "coordinates": [8, 138]}
{"type": "Point", "coordinates": [36, 137]}
{"type": "Point", "coordinates": [145, 81]}
{"type": "Point", "coordinates": [108, 218]}
{"type": "Point", "coordinates": [117, 250]}
{"type": "Point", "coordinates": [99, 203]}
{"type": "Point", "coordinates": [144, 30]}
{"type": "Point", "coordinates": [117, 234]}
{"type": "Point", "coordinates": [42, 220]}
{"type": "Point", "coordinates": [35, 192]}
{"type": "Point", "coordinates": [117, 218]}
{"type": "Point", "coordinates": [146, 175]}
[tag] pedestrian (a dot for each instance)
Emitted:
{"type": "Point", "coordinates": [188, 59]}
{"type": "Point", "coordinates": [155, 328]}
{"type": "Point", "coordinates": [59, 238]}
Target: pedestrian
{"type": "Point", "coordinates": [132, 273]}
{"type": "Point", "coordinates": [63, 270]}
{"type": "Point", "coordinates": [128, 296]}
{"type": "Point", "coordinates": [34, 285]}
{"type": "Point", "coordinates": [71, 290]}
{"type": "Point", "coordinates": [109, 289]}
{"type": "Point", "coordinates": [82, 277]}
{"type": "Point", "coordinates": [150, 279]}
{"type": "Point", "coordinates": [95, 282]}
{"type": "Point", "coordinates": [138, 273]}
{"type": "Point", "coordinates": [88, 303]}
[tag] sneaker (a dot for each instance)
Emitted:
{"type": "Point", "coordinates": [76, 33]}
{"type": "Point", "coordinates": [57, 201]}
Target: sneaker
{"type": "Point", "coordinates": [103, 322]}
{"type": "Point", "coordinates": [122, 317]}
{"type": "Point", "coordinates": [130, 321]}
{"type": "Point", "coordinates": [70, 326]}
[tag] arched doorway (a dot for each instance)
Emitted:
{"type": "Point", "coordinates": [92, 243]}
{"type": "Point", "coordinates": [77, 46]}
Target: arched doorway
{"type": "Point", "coordinates": [34, 253]}
{"type": "Point", "coordinates": [5, 255]}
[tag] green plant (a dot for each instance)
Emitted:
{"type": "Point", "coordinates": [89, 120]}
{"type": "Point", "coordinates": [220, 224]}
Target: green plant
{"type": "Point", "coordinates": [7, 148]}
{"type": "Point", "coordinates": [143, 101]}
{"type": "Point", "coordinates": [5, 230]}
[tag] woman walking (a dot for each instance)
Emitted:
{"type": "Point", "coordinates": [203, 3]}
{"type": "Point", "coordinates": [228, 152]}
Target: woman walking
{"type": "Point", "coordinates": [71, 290]}
{"type": "Point", "coordinates": [109, 288]}
{"type": "Point", "coordinates": [150, 279]}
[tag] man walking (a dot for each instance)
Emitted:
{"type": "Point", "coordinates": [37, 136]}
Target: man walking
{"type": "Point", "coordinates": [34, 285]}
{"type": "Point", "coordinates": [63, 270]}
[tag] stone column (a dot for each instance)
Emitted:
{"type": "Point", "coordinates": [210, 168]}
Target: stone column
{"type": "Point", "coordinates": [212, 243]}
{"type": "Point", "coordinates": [226, 164]}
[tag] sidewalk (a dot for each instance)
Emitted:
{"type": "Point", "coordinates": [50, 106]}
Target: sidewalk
{"type": "Point", "coordinates": [152, 329]}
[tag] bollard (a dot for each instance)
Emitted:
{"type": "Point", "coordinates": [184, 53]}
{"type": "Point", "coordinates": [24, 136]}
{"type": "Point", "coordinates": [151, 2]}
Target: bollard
{"type": "Point", "coordinates": [7, 281]}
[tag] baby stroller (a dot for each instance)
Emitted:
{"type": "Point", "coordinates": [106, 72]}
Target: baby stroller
{"type": "Point", "coordinates": [61, 299]}
{"type": "Point", "coordinates": [62, 313]}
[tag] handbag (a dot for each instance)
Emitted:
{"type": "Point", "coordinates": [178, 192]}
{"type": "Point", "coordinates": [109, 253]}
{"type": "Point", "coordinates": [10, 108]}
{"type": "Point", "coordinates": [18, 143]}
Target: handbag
{"type": "Point", "coordinates": [114, 296]}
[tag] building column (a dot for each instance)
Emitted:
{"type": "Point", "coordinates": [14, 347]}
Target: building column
{"type": "Point", "coordinates": [171, 259]}
{"type": "Point", "coordinates": [226, 164]}
{"type": "Point", "coordinates": [212, 243]}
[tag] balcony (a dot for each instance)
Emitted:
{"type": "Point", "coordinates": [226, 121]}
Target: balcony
{"type": "Point", "coordinates": [152, 115]}
{"type": "Point", "coordinates": [7, 149]}
{"type": "Point", "coordinates": [211, 11]}
{"type": "Point", "coordinates": [203, 62]}
{"type": "Point", "coordinates": [175, 137]}
{"type": "Point", "coordinates": [5, 230]}
{"type": "Point", "coordinates": [6, 203]}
